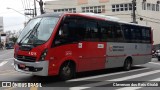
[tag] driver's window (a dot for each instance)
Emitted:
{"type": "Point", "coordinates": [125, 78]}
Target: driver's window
{"type": "Point", "coordinates": [63, 34]}
{"type": "Point", "coordinates": [68, 32]}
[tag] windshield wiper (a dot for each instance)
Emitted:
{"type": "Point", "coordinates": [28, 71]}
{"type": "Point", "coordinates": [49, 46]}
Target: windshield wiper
{"type": "Point", "coordinates": [24, 36]}
{"type": "Point", "coordinates": [30, 31]}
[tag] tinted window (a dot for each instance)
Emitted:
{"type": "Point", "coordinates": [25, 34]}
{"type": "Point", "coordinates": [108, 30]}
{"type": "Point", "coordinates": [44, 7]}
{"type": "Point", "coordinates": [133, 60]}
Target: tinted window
{"type": "Point", "coordinates": [110, 31]}
{"type": "Point", "coordinates": [91, 31]}
{"type": "Point", "coordinates": [75, 29]}
{"type": "Point", "coordinates": [136, 34]}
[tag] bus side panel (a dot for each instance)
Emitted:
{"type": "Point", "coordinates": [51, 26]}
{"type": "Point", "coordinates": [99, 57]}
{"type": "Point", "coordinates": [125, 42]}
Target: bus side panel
{"type": "Point", "coordinates": [91, 56]}
{"type": "Point", "coordinates": [143, 54]}
{"type": "Point", "coordinates": [118, 52]}
{"type": "Point", "coordinates": [115, 55]}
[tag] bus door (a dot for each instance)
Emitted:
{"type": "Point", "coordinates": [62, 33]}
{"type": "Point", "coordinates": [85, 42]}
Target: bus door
{"type": "Point", "coordinates": [91, 55]}
{"type": "Point", "coordinates": [91, 51]}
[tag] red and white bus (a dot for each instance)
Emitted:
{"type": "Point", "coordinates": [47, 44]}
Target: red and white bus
{"type": "Point", "coordinates": [65, 43]}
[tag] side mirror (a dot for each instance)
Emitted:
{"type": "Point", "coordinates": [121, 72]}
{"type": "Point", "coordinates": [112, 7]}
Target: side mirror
{"type": "Point", "coordinates": [60, 32]}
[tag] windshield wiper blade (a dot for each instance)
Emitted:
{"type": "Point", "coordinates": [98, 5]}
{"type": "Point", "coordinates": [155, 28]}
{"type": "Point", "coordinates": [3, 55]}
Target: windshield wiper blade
{"type": "Point", "coordinates": [25, 36]}
{"type": "Point", "coordinates": [31, 30]}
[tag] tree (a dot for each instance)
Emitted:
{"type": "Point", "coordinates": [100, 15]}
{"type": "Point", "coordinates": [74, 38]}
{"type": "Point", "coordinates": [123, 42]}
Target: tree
{"type": "Point", "coordinates": [14, 39]}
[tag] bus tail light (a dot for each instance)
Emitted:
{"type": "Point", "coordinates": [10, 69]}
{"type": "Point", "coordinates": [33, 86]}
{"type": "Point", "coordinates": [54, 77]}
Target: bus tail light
{"type": "Point", "coordinates": [43, 55]}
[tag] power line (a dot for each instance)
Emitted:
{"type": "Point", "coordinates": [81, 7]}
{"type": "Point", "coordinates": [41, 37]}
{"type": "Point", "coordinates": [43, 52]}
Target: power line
{"type": "Point", "coordinates": [26, 3]}
{"type": "Point", "coordinates": [29, 4]}
{"type": "Point", "coordinates": [11, 12]}
{"type": "Point", "coordinates": [13, 25]}
{"type": "Point", "coordinates": [22, 4]}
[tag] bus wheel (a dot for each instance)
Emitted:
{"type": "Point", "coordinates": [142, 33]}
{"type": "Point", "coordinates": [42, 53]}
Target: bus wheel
{"type": "Point", "coordinates": [67, 71]}
{"type": "Point", "coordinates": [127, 65]}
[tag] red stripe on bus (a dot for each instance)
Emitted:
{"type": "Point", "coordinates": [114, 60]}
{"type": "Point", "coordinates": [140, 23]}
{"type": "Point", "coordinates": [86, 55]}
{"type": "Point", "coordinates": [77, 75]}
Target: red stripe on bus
{"type": "Point", "coordinates": [126, 55]}
{"type": "Point", "coordinates": [141, 54]}
{"type": "Point", "coordinates": [117, 56]}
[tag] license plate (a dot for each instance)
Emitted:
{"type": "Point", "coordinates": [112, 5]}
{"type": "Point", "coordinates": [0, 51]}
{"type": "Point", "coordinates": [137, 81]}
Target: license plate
{"type": "Point", "coordinates": [22, 65]}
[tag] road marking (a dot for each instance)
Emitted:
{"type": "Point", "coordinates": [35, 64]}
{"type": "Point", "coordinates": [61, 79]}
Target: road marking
{"type": "Point", "coordinates": [3, 63]}
{"type": "Point", "coordinates": [34, 88]}
{"type": "Point", "coordinates": [6, 53]}
{"type": "Point", "coordinates": [154, 63]}
{"type": "Point", "coordinates": [135, 88]}
{"type": "Point", "coordinates": [8, 73]}
{"type": "Point", "coordinates": [86, 86]}
{"type": "Point", "coordinates": [7, 59]}
{"type": "Point", "coordinates": [135, 76]}
{"type": "Point", "coordinates": [99, 76]}
{"type": "Point", "coordinates": [11, 88]}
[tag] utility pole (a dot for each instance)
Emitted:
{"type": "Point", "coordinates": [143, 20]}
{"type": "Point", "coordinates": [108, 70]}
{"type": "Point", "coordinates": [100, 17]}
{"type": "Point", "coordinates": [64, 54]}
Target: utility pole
{"type": "Point", "coordinates": [41, 6]}
{"type": "Point", "coordinates": [133, 11]}
{"type": "Point", "coordinates": [35, 9]}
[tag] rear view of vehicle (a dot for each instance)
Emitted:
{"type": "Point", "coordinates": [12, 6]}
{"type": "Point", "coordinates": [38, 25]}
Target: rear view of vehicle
{"type": "Point", "coordinates": [9, 45]}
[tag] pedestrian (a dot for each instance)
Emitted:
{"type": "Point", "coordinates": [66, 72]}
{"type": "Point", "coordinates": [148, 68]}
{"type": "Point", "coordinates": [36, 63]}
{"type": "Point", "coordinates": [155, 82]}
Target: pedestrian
{"type": "Point", "coordinates": [2, 45]}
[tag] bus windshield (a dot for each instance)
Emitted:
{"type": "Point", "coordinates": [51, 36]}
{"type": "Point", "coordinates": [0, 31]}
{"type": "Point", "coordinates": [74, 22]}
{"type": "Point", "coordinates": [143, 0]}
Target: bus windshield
{"type": "Point", "coordinates": [38, 31]}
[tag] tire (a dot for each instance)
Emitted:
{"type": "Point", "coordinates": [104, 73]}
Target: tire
{"type": "Point", "coordinates": [127, 65]}
{"type": "Point", "coordinates": [158, 58]}
{"type": "Point", "coordinates": [67, 71]}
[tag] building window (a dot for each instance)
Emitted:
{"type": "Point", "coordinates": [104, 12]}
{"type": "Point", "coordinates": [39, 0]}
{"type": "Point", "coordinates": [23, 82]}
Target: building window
{"type": "Point", "coordinates": [130, 6]}
{"type": "Point", "coordinates": [94, 9]}
{"type": "Point", "coordinates": [143, 6]}
{"type": "Point", "coordinates": [153, 7]}
{"type": "Point", "coordinates": [113, 8]}
{"type": "Point", "coordinates": [72, 10]}
{"type": "Point", "coordinates": [121, 7]}
{"type": "Point", "coordinates": [148, 6]}
{"type": "Point", "coordinates": [157, 7]}
{"type": "Point", "coordinates": [126, 7]}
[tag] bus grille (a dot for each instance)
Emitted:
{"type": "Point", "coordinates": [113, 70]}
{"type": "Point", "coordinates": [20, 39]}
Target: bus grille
{"type": "Point", "coordinates": [26, 58]}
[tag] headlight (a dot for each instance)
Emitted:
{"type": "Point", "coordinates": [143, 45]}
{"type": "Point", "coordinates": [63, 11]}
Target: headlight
{"type": "Point", "coordinates": [43, 55]}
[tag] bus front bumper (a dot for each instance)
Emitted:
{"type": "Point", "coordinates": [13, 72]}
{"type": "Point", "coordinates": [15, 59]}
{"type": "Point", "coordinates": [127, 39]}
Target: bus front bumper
{"type": "Point", "coordinates": [36, 68]}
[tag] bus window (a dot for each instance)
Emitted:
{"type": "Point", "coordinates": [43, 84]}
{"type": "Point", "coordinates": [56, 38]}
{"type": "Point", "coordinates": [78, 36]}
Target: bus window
{"type": "Point", "coordinates": [91, 32]}
{"type": "Point", "coordinates": [72, 30]}
{"type": "Point", "coordinates": [146, 34]}
{"type": "Point", "coordinates": [106, 29]}
{"type": "Point", "coordinates": [118, 33]}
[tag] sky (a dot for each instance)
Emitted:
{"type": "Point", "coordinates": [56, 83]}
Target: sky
{"type": "Point", "coordinates": [13, 20]}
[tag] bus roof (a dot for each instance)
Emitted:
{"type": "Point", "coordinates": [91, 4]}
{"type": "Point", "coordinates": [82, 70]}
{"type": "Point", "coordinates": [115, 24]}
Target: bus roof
{"type": "Point", "coordinates": [111, 18]}
{"type": "Point", "coordinates": [92, 15]}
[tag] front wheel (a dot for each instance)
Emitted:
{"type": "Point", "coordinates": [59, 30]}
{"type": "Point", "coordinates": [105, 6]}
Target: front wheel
{"type": "Point", "coordinates": [67, 71]}
{"type": "Point", "coordinates": [127, 65]}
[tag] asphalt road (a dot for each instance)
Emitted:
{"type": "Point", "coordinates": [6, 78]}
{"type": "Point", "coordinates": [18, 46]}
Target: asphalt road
{"type": "Point", "coordinates": [110, 79]}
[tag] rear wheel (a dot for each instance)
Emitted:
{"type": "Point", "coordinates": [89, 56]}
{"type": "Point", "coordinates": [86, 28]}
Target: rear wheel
{"type": "Point", "coordinates": [127, 65]}
{"type": "Point", "coordinates": [67, 71]}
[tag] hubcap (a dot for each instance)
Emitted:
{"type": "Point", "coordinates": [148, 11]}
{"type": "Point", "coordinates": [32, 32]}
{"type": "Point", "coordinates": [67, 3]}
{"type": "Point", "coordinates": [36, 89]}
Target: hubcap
{"type": "Point", "coordinates": [66, 71]}
{"type": "Point", "coordinates": [128, 65]}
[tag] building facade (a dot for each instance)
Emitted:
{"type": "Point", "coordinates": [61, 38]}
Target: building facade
{"type": "Point", "coordinates": [1, 24]}
{"type": "Point", "coordinates": [147, 11]}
